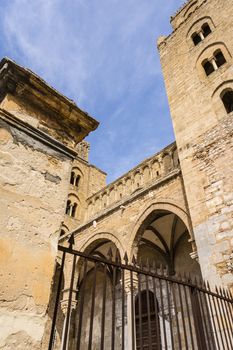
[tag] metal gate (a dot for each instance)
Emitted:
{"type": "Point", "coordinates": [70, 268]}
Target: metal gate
{"type": "Point", "coordinates": [123, 305]}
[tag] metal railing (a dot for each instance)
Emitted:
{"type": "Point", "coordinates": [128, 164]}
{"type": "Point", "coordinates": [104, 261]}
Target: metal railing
{"type": "Point", "coordinates": [122, 305]}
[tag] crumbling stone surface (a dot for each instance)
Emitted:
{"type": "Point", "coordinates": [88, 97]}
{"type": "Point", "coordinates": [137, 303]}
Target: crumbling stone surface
{"type": "Point", "coordinates": [203, 127]}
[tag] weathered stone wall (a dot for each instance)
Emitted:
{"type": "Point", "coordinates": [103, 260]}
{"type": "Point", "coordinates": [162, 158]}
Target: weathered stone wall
{"type": "Point", "coordinates": [203, 128]}
{"type": "Point", "coordinates": [34, 183]}
{"type": "Point", "coordinates": [39, 130]}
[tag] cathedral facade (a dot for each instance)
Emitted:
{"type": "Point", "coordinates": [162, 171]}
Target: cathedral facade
{"type": "Point", "coordinates": [174, 208]}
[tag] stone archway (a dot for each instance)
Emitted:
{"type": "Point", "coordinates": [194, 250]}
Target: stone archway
{"type": "Point", "coordinates": [95, 284]}
{"type": "Point", "coordinates": [162, 234]}
{"type": "Point", "coordinates": [102, 236]}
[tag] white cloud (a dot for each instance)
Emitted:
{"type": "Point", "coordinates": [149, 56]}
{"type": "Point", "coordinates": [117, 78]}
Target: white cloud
{"type": "Point", "coordinates": [102, 54]}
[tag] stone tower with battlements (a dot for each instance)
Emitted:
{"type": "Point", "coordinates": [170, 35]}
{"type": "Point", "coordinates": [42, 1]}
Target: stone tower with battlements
{"type": "Point", "coordinates": [198, 70]}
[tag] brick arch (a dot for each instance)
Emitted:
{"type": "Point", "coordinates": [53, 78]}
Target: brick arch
{"type": "Point", "coordinates": [103, 236]}
{"type": "Point", "coordinates": [168, 205]}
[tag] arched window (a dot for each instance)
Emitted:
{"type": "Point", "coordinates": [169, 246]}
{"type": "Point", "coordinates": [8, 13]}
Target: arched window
{"type": "Point", "coordinates": [145, 301]}
{"type": "Point", "coordinates": [74, 209]}
{"type": "Point", "coordinates": [68, 207]}
{"type": "Point", "coordinates": [214, 63]}
{"type": "Point", "coordinates": [72, 178]}
{"type": "Point", "coordinates": [227, 99]}
{"type": "Point", "coordinates": [208, 67]}
{"type": "Point", "coordinates": [206, 29]}
{"type": "Point", "coordinates": [77, 180]}
{"type": "Point", "coordinates": [219, 58]}
{"type": "Point", "coordinates": [196, 38]}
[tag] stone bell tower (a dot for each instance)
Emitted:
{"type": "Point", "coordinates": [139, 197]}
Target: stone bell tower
{"type": "Point", "coordinates": [198, 70]}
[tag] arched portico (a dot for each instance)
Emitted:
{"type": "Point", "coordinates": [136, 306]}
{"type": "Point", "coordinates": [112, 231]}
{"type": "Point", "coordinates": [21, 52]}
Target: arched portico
{"type": "Point", "coordinates": [96, 284]}
{"type": "Point", "coordinates": [162, 234]}
{"type": "Point", "coordinates": [102, 237]}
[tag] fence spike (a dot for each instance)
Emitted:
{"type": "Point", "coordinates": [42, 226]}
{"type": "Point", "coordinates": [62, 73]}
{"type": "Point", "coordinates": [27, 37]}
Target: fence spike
{"type": "Point", "coordinates": [204, 284]}
{"type": "Point", "coordinates": [201, 282]}
{"type": "Point", "coordinates": [208, 286]}
{"type": "Point", "coordinates": [189, 278]}
{"type": "Point", "coordinates": [117, 256]}
{"type": "Point", "coordinates": [134, 261]}
{"type": "Point", "coordinates": [148, 264]}
{"type": "Point", "coordinates": [162, 269]}
{"type": "Point", "coordinates": [110, 254]}
{"type": "Point", "coordinates": [126, 259]}
{"type": "Point", "coordinates": [195, 281]}
{"type": "Point", "coordinates": [71, 241]}
{"type": "Point", "coordinates": [216, 288]}
{"type": "Point", "coordinates": [154, 265]}
{"type": "Point", "coordinates": [140, 263]}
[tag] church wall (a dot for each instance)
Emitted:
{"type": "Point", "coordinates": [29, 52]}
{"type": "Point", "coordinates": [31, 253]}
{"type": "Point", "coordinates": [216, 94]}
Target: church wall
{"type": "Point", "coordinates": [118, 224]}
{"type": "Point", "coordinates": [151, 170]}
{"type": "Point", "coordinates": [203, 128]}
{"type": "Point", "coordinates": [91, 180]}
{"type": "Point", "coordinates": [33, 195]}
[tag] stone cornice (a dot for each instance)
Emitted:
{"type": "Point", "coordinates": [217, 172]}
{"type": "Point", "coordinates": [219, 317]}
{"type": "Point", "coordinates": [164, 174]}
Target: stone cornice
{"type": "Point", "coordinates": [26, 85]}
{"type": "Point", "coordinates": [37, 134]}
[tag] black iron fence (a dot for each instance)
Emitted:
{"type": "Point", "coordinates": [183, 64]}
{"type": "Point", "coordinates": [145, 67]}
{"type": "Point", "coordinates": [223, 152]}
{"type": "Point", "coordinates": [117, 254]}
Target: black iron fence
{"type": "Point", "coordinates": [121, 305]}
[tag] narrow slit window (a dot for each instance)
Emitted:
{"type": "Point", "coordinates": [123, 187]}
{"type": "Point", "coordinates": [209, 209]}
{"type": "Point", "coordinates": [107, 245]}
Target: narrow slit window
{"type": "Point", "coordinates": [227, 100]}
{"type": "Point", "coordinates": [208, 67]}
{"type": "Point", "coordinates": [77, 180]}
{"type": "Point", "coordinates": [74, 209]}
{"type": "Point", "coordinates": [196, 39]}
{"type": "Point", "coordinates": [72, 178]}
{"type": "Point", "coordinates": [68, 207]}
{"type": "Point", "coordinates": [219, 58]}
{"type": "Point", "coordinates": [206, 30]}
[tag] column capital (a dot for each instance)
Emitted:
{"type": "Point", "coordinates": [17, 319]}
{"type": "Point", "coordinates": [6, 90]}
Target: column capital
{"type": "Point", "coordinates": [64, 305]}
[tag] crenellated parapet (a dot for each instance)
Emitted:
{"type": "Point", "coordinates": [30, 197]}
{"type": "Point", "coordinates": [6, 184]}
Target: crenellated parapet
{"type": "Point", "coordinates": [150, 170]}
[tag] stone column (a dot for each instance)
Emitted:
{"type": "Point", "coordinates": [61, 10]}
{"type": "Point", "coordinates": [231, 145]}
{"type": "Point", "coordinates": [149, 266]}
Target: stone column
{"type": "Point", "coordinates": [130, 329]}
{"type": "Point", "coordinates": [67, 313]}
{"type": "Point", "coordinates": [201, 35]}
{"type": "Point", "coordinates": [69, 301]}
{"type": "Point", "coordinates": [214, 63]}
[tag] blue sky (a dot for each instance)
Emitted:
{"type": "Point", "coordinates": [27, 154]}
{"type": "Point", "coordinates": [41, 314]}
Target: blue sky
{"type": "Point", "coordinates": [103, 55]}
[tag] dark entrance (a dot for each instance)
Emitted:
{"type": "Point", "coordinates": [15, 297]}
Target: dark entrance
{"type": "Point", "coordinates": [147, 321]}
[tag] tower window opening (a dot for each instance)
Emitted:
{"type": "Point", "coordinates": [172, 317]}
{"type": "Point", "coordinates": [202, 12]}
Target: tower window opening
{"type": "Point", "coordinates": [227, 99]}
{"type": "Point", "coordinates": [68, 207]}
{"type": "Point", "coordinates": [208, 67]}
{"type": "Point", "coordinates": [202, 34]}
{"type": "Point", "coordinates": [74, 209]}
{"type": "Point", "coordinates": [219, 58]}
{"type": "Point", "coordinates": [72, 178]}
{"type": "Point", "coordinates": [77, 180]}
{"type": "Point", "coordinates": [206, 29]}
{"type": "Point", "coordinates": [196, 39]}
